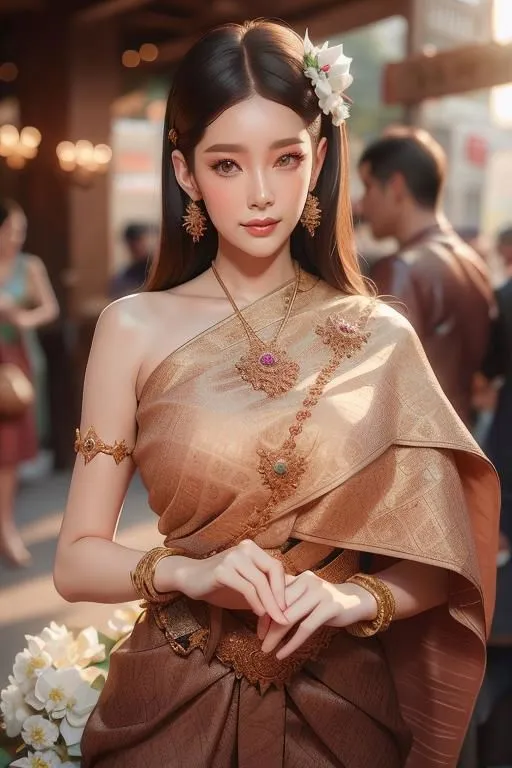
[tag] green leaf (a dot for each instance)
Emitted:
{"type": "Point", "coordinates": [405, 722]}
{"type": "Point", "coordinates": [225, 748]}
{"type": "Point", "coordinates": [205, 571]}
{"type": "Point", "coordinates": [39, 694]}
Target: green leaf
{"type": "Point", "coordinates": [102, 666]}
{"type": "Point", "coordinates": [5, 758]}
{"type": "Point", "coordinates": [107, 641]}
{"type": "Point", "coordinates": [98, 683]}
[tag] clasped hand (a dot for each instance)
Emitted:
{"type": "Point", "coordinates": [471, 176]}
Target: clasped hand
{"type": "Point", "coordinates": [248, 577]}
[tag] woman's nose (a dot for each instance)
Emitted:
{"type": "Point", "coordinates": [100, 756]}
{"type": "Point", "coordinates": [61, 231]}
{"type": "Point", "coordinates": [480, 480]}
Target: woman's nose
{"type": "Point", "coordinates": [260, 192]}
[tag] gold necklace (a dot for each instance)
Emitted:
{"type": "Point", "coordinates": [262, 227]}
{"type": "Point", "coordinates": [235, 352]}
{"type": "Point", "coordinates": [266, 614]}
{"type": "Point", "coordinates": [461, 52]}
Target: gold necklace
{"type": "Point", "coordinates": [266, 365]}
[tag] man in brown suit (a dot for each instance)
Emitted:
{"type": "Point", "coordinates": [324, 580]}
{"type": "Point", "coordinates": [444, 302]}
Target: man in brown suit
{"type": "Point", "coordinates": [441, 284]}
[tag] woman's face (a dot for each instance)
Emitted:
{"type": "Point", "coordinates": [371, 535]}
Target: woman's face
{"type": "Point", "coordinates": [13, 233]}
{"type": "Point", "coordinates": [253, 168]}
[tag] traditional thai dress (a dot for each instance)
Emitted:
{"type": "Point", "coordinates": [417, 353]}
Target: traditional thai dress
{"type": "Point", "coordinates": [362, 463]}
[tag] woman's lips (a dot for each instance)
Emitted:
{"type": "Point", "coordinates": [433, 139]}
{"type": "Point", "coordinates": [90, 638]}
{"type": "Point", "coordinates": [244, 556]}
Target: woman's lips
{"type": "Point", "coordinates": [260, 227]}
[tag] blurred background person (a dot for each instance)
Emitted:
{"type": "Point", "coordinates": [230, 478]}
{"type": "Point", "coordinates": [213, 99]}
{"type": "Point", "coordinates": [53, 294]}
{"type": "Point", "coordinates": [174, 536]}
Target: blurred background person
{"type": "Point", "coordinates": [498, 366]}
{"type": "Point", "coordinates": [442, 285]}
{"type": "Point", "coordinates": [140, 242]}
{"type": "Point", "coordinates": [27, 301]}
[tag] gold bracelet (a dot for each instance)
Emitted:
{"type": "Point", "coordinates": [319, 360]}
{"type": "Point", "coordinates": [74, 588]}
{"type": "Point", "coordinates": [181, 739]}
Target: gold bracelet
{"type": "Point", "coordinates": [386, 606]}
{"type": "Point", "coordinates": [143, 575]}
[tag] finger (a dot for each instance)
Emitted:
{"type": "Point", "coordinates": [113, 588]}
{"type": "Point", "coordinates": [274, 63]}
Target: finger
{"type": "Point", "coordinates": [263, 627]}
{"type": "Point", "coordinates": [302, 607]}
{"type": "Point", "coordinates": [233, 580]}
{"type": "Point", "coordinates": [258, 579]}
{"type": "Point", "coordinates": [276, 575]}
{"type": "Point", "coordinates": [314, 621]}
{"type": "Point", "coordinates": [295, 591]}
{"type": "Point", "coordinates": [275, 572]}
{"type": "Point", "coordinates": [299, 611]}
{"type": "Point", "coordinates": [274, 636]}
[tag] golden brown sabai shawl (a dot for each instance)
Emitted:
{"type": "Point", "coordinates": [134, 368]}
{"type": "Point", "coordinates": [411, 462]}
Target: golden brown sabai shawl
{"type": "Point", "coordinates": [376, 461]}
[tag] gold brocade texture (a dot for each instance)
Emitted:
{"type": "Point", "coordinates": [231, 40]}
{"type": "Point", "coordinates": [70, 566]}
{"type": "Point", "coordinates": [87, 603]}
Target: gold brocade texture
{"type": "Point", "coordinates": [385, 467]}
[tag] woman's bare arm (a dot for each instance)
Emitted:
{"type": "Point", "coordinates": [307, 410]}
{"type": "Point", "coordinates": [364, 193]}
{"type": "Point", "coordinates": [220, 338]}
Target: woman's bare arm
{"type": "Point", "coordinates": [46, 308]}
{"type": "Point", "coordinates": [89, 564]}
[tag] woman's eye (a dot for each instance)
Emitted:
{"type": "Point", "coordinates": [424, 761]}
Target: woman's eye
{"type": "Point", "coordinates": [225, 167]}
{"type": "Point", "coordinates": [292, 159]}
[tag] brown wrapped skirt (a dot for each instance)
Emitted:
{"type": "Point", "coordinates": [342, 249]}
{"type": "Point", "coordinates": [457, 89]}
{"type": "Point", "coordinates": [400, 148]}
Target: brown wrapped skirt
{"type": "Point", "coordinates": [163, 710]}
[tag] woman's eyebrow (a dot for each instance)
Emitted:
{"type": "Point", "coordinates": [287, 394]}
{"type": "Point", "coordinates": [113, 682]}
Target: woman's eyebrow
{"type": "Point", "coordinates": [241, 148]}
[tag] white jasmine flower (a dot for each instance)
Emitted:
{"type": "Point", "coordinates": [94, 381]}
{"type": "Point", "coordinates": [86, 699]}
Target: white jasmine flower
{"type": "Point", "coordinates": [66, 651]}
{"type": "Point", "coordinates": [329, 71]}
{"type": "Point", "coordinates": [309, 48]}
{"type": "Point", "coordinates": [14, 709]}
{"type": "Point", "coordinates": [69, 698]}
{"type": "Point", "coordinates": [39, 733]}
{"type": "Point", "coordinates": [56, 690]}
{"type": "Point", "coordinates": [29, 664]}
{"type": "Point", "coordinates": [73, 724]}
{"type": "Point", "coordinates": [46, 759]}
{"type": "Point", "coordinates": [55, 632]}
{"type": "Point", "coordinates": [88, 648]}
{"type": "Point", "coordinates": [123, 620]}
{"type": "Point", "coordinates": [340, 112]}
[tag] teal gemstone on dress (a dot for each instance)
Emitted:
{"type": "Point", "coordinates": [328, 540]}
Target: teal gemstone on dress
{"type": "Point", "coordinates": [280, 468]}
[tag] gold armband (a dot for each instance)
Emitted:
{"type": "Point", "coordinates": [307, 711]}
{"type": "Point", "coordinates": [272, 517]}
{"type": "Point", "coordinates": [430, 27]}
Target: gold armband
{"type": "Point", "coordinates": [386, 606]}
{"type": "Point", "coordinates": [91, 444]}
{"type": "Point", "coordinates": [143, 576]}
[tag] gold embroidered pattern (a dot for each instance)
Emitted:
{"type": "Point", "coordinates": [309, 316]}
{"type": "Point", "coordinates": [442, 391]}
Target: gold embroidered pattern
{"type": "Point", "coordinates": [91, 444]}
{"type": "Point", "coordinates": [283, 469]}
{"type": "Point", "coordinates": [241, 651]}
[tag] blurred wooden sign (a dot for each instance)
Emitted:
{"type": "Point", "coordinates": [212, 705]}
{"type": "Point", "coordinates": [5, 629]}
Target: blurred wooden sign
{"type": "Point", "coordinates": [459, 70]}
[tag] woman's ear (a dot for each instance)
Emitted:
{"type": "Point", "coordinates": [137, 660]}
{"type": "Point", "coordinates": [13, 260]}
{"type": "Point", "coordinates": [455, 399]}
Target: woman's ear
{"type": "Point", "coordinates": [184, 176]}
{"type": "Point", "coordinates": [321, 151]}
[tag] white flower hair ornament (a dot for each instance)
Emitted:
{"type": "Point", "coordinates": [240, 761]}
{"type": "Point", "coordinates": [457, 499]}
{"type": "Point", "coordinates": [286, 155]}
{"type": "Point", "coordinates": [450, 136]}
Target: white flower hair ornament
{"type": "Point", "coordinates": [329, 71]}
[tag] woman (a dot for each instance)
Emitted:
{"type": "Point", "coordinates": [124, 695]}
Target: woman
{"type": "Point", "coordinates": [291, 436]}
{"type": "Point", "coordinates": [27, 301]}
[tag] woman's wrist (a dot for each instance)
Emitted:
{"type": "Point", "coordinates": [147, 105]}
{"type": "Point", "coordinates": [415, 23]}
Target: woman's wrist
{"type": "Point", "coordinates": [368, 607]}
{"type": "Point", "coordinates": [170, 574]}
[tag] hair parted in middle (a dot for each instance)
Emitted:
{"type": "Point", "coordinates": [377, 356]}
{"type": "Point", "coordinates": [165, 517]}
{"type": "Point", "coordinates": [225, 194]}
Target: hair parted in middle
{"type": "Point", "coordinates": [229, 64]}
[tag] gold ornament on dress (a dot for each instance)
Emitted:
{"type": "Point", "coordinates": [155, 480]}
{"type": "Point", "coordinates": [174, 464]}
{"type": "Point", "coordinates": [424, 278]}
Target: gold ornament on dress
{"type": "Point", "coordinates": [91, 444]}
{"type": "Point", "coordinates": [282, 469]}
{"type": "Point", "coordinates": [311, 215]}
{"type": "Point", "coordinates": [173, 137]}
{"type": "Point", "coordinates": [194, 221]}
{"type": "Point", "coordinates": [386, 606]}
{"type": "Point", "coordinates": [266, 366]}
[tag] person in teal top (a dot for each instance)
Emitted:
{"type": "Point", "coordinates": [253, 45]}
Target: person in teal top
{"type": "Point", "coordinates": [27, 301]}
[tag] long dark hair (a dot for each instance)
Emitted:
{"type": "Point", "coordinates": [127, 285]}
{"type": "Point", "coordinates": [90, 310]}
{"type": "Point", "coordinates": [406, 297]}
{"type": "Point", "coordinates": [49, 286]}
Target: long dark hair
{"type": "Point", "coordinates": [228, 65]}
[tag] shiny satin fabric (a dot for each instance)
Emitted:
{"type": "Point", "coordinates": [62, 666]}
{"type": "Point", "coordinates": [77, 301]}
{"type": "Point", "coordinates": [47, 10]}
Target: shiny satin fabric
{"type": "Point", "coordinates": [386, 468]}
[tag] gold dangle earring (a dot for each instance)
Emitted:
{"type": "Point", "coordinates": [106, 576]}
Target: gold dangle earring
{"type": "Point", "coordinates": [194, 221]}
{"type": "Point", "coordinates": [311, 215]}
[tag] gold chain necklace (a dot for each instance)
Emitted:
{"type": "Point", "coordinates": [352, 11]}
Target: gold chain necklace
{"type": "Point", "coordinates": [266, 365]}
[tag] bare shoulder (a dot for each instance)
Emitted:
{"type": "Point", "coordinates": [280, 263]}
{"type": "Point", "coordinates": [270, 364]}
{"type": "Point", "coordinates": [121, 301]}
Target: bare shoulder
{"type": "Point", "coordinates": [131, 318]}
{"type": "Point", "coordinates": [129, 327]}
